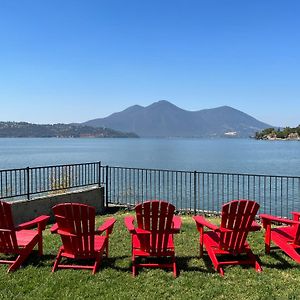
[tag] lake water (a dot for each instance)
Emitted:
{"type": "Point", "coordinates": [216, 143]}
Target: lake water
{"type": "Point", "coordinates": [215, 155]}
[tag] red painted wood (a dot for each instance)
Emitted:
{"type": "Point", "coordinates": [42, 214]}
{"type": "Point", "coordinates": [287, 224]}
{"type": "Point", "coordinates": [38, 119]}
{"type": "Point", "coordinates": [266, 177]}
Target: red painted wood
{"type": "Point", "coordinates": [237, 219]}
{"type": "Point", "coordinates": [75, 223]}
{"type": "Point", "coordinates": [296, 215]}
{"type": "Point", "coordinates": [19, 240]}
{"type": "Point", "coordinates": [285, 237]}
{"type": "Point", "coordinates": [153, 236]}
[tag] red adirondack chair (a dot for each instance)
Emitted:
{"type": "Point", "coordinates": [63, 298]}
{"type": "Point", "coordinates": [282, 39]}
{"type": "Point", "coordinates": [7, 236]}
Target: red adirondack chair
{"type": "Point", "coordinates": [75, 223]}
{"type": "Point", "coordinates": [153, 236]}
{"type": "Point", "coordinates": [19, 240]}
{"type": "Point", "coordinates": [237, 220]}
{"type": "Point", "coordinates": [285, 237]}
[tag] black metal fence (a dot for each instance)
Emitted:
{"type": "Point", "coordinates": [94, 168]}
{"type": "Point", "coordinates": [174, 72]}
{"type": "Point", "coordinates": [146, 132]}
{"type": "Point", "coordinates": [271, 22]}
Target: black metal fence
{"type": "Point", "coordinates": [191, 191]}
{"type": "Point", "coordinates": [195, 191]}
{"type": "Point", "coordinates": [28, 181]}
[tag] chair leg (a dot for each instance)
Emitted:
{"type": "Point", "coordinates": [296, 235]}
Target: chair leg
{"type": "Point", "coordinates": [258, 267]}
{"type": "Point", "coordinates": [256, 264]}
{"type": "Point", "coordinates": [17, 263]}
{"type": "Point", "coordinates": [40, 245]}
{"type": "Point", "coordinates": [215, 261]}
{"type": "Point", "coordinates": [57, 260]}
{"type": "Point", "coordinates": [220, 270]}
{"type": "Point", "coordinates": [174, 267]}
{"type": "Point", "coordinates": [201, 242]}
{"type": "Point", "coordinates": [22, 257]}
{"type": "Point", "coordinates": [133, 266]}
{"type": "Point", "coordinates": [97, 263]}
{"type": "Point", "coordinates": [268, 239]}
{"type": "Point", "coordinates": [106, 248]}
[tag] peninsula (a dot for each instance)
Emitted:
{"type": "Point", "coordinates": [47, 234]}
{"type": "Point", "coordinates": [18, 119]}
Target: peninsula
{"type": "Point", "coordinates": [24, 129]}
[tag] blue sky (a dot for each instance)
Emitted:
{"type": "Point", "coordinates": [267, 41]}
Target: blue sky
{"type": "Point", "coordinates": [71, 61]}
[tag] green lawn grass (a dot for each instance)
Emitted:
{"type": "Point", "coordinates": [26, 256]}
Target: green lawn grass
{"type": "Point", "coordinates": [280, 278]}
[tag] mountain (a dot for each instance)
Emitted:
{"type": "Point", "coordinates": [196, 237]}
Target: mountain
{"type": "Point", "coordinates": [164, 119]}
{"type": "Point", "coordinates": [23, 129]}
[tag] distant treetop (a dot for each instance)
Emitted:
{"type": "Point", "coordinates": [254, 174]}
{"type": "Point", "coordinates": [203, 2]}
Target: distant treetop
{"type": "Point", "coordinates": [285, 133]}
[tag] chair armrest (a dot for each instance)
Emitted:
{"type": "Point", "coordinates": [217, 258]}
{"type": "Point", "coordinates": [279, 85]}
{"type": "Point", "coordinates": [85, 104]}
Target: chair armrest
{"type": "Point", "coordinates": [39, 222]}
{"type": "Point", "coordinates": [54, 228]}
{"type": "Point", "coordinates": [223, 230]}
{"type": "Point", "coordinates": [268, 219]}
{"type": "Point", "coordinates": [142, 231]}
{"type": "Point", "coordinates": [107, 226]}
{"type": "Point", "coordinates": [129, 223]}
{"type": "Point", "coordinates": [176, 224]}
{"type": "Point", "coordinates": [296, 215]}
{"type": "Point", "coordinates": [255, 226]}
{"type": "Point", "coordinates": [66, 233]}
{"type": "Point", "coordinates": [201, 222]}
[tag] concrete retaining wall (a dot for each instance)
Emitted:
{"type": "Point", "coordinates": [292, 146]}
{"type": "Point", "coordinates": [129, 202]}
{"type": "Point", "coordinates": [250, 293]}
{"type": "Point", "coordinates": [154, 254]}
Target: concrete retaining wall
{"type": "Point", "coordinates": [24, 210]}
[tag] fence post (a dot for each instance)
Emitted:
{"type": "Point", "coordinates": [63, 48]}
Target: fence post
{"type": "Point", "coordinates": [106, 187]}
{"type": "Point", "coordinates": [28, 182]}
{"type": "Point", "coordinates": [99, 173]}
{"type": "Point", "coordinates": [195, 192]}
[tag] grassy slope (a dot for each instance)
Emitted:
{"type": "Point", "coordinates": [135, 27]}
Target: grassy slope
{"type": "Point", "coordinates": [197, 280]}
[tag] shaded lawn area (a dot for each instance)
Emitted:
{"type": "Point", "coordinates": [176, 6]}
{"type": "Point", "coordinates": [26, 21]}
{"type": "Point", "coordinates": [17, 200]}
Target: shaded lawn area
{"type": "Point", "coordinates": [280, 278]}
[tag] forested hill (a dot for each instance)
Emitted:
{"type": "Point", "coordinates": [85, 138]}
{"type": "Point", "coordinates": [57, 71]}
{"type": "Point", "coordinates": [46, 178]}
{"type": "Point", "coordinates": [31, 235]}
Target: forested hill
{"type": "Point", "coordinates": [24, 129]}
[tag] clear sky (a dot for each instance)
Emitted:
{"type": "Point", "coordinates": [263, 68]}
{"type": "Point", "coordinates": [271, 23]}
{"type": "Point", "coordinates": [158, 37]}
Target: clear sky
{"type": "Point", "coordinates": [72, 61]}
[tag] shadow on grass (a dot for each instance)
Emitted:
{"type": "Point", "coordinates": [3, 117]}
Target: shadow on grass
{"type": "Point", "coordinates": [281, 261]}
{"type": "Point", "coordinates": [46, 260]}
{"type": "Point", "coordinates": [111, 263]}
{"type": "Point", "coordinates": [183, 264]}
{"type": "Point", "coordinates": [224, 258]}
{"type": "Point", "coordinates": [106, 263]}
{"type": "Point", "coordinates": [33, 260]}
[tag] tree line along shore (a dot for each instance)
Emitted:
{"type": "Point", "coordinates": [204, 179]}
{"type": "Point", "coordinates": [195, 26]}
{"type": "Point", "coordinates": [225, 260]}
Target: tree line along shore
{"type": "Point", "coordinates": [24, 129]}
{"type": "Point", "coordinates": [287, 133]}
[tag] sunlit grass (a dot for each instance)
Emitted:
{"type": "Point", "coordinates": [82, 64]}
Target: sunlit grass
{"type": "Point", "coordinates": [197, 279]}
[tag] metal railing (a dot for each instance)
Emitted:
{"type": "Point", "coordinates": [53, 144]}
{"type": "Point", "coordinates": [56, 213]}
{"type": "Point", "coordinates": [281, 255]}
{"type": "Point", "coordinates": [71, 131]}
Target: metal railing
{"type": "Point", "coordinates": [28, 181]}
{"type": "Point", "coordinates": [195, 191]}
{"type": "Point", "coordinates": [190, 191]}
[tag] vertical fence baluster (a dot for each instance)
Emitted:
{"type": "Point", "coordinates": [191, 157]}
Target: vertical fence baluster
{"type": "Point", "coordinates": [195, 192]}
{"type": "Point", "coordinates": [28, 182]}
{"type": "Point", "coordinates": [106, 187]}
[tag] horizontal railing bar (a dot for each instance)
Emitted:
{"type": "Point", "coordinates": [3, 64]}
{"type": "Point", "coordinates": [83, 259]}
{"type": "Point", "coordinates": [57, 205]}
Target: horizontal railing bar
{"type": "Point", "coordinates": [48, 166]}
{"type": "Point", "coordinates": [66, 165]}
{"type": "Point", "coordinates": [202, 172]}
{"type": "Point", "coordinates": [13, 170]}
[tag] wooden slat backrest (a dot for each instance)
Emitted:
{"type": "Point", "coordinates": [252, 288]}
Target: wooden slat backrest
{"type": "Point", "coordinates": [78, 220]}
{"type": "Point", "coordinates": [238, 216]}
{"type": "Point", "coordinates": [8, 240]}
{"type": "Point", "coordinates": [155, 216]}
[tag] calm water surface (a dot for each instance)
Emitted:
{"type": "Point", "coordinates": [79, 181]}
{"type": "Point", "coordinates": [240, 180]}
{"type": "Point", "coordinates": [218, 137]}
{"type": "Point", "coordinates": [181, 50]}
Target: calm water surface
{"type": "Point", "coordinates": [217, 155]}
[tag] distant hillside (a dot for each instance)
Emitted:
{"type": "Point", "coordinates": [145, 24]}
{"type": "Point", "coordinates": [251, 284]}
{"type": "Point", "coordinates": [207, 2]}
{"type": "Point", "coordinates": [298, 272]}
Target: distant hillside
{"type": "Point", "coordinates": [163, 119]}
{"type": "Point", "coordinates": [23, 129]}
